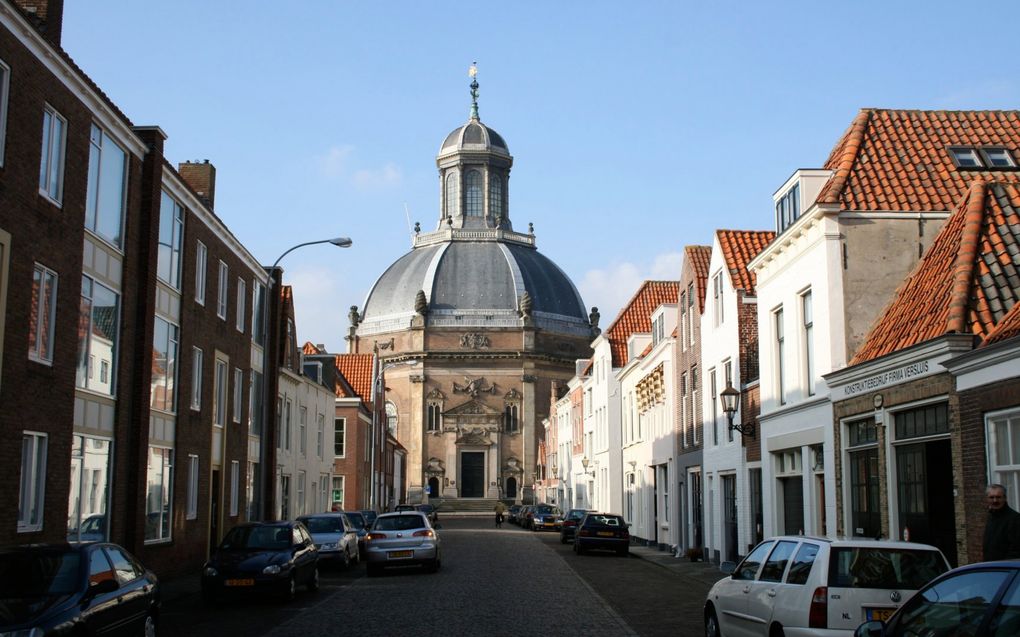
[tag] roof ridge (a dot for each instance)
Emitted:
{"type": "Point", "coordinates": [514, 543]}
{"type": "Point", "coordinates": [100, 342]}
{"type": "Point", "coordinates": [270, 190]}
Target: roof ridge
{"type": "Point", "coordinates": [854, 139]}
{"type": "Point", "coordinates": [963, 269]}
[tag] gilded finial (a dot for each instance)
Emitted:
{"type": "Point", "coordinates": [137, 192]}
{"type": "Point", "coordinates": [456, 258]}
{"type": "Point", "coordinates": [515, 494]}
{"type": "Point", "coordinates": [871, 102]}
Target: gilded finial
{"type": "Point", "coordinates": [472, 72]}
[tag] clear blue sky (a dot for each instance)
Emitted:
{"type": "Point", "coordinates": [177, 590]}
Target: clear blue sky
{"type": "Point", "coordinates": [636, 128]}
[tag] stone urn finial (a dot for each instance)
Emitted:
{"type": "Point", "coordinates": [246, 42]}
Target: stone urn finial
{"type": "Point", "coordinates": [525, 305]}
{"type": "Point", "coordinates": [421, 304]}
{"type": "Point", "coordinates": [353, 316]}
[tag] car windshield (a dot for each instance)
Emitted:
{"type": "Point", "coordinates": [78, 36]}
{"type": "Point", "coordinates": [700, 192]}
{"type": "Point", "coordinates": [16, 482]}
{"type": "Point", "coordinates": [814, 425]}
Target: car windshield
{"type": "Point", "coordinates": [94, 524]}
{"type": "Point", "coordinates": [398, 523]}
{"type": "Point", "coordinates": [547, 509]}
{"type": "Point", "coordinates": [356, 519]}
{"type": "Point", "coordinates": [370, 516]}
{"type": "Point", "coordinates": [39, 573]}
{"type": "Point", "coordinates": [425, 508]}
{"type": "Point", "coordinates": [324, 524]}
{"type": "Point", "coordinates": [576, 514]}
{"type": "Point", "coordinates": [251, 538]}
{"type": "Point", "coordinates": [605, 520]}
{"type": "Point", "coordinates": [884, 567]}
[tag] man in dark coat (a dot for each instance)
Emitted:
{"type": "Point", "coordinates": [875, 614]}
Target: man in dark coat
{"type": "Point", "coordinates": [1002, 530]}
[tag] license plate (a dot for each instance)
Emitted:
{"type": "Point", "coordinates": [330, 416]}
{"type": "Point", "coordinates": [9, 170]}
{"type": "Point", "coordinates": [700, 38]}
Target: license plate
{"type": "Point", "coordinates": [239, 582]}
{"type": "Point", "coordinates": [605, 533]}
{"type": "Point", "coordinates": [880, 614]}
{"type": "Point", "coordinates": [400, 554]}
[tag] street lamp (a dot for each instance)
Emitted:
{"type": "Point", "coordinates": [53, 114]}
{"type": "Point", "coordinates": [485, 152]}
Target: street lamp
{"type": "Point", "coordinates": [730, 397]}
{"type": "Point", "coordinates": [340, 242]}
{"type": "Point", "coordinates": [379, 391]}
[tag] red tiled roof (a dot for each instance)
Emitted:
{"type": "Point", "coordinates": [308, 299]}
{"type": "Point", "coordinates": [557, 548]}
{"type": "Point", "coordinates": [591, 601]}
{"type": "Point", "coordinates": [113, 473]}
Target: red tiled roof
{"type": "Point", "coordinates": [899, 159]}
{"type": "Point", "coordinates": [700, 258]}
{"type": "Point", "coordinates": [738, 248]}
{"type": "Point", "coordinates": [310, 349]}
{"type": "Point", "coordinates": [636, 316]}
{"type": "Point", "coordinates": [1007, 328]}
{"type": "Point", "coordinates": [968, 280]}
{"type": "Point", "coordinates": [357, 371]}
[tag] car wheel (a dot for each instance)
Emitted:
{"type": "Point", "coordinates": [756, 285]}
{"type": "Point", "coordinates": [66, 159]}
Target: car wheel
{"type": "Point", "coordinates": [777, 631]}
{"type": "Point", "coordinates": [712, 625]}
{"type": "Point", "coordinates": [346, 560]}
{"type": "Point", "coordinates": [313, 581]}
{"type": "Point", "coordinates": [150, 625]}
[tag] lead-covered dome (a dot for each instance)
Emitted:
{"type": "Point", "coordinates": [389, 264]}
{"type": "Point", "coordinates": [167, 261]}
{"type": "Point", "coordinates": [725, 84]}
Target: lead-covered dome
{"type": "Point", "coordinates": [473, 136]}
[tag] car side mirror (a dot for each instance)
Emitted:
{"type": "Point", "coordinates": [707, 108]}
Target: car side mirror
{"type": "Point", "coordinates": [103, 587]}
{"type": "Point", "coordinates": [873, 628]}
{"type": "Point", "coordinates": [728, 567]}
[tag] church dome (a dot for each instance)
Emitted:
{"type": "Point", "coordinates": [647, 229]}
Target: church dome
{"type": "Point", "coordinates": [473, 136]}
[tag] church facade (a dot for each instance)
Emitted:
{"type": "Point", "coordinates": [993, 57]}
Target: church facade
{"type": "Point", "coordinates": [471, 327]}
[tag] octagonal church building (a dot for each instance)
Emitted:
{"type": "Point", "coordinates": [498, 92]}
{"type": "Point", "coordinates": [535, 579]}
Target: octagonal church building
{"type": "Point", "coordinates": [471, 327]}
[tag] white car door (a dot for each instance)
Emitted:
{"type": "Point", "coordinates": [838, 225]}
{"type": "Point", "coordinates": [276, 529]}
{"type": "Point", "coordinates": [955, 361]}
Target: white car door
{"type": "Point", "coordinates": [769, 589]}
{"type": "Point", "coordinates": [731, 594]}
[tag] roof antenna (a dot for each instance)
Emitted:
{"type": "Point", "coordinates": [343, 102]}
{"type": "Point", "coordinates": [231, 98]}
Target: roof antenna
{"type": "Point", "coordinates": [472, 72]}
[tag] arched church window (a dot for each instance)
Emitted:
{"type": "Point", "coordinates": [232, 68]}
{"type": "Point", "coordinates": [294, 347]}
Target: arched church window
{"type": "Point", "coordinates": [496, 195]}
{"type": "Point", "coordinates": [511, 420]}
{"type": "Point", "coordinates": [473, 194]}
{"type": "Point", "coordinates": [434, 417]}
{"type": "Point", "coordinates": [391, 417]}
{"type": "Point", "coordinates": [452, 196]}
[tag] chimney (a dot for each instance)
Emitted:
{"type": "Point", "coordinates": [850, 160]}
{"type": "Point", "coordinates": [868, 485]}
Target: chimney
{"type": "Point", "coordinates": [201, 177]}
{"type": "Point", "coordinates": [46, 15]}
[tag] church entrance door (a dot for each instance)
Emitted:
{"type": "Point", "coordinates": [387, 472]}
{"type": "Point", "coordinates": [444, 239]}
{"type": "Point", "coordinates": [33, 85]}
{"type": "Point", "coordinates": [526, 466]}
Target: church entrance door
{"type": "Point", "coordinates": [472, 474]}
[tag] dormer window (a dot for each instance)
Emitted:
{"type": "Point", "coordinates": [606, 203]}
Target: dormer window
{"type": "Point", "coordinates": [982, 158]}
{"type": "Point", "coordinates": [788, 208]}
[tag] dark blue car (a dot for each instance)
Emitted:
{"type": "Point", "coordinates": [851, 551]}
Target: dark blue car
{"type": "Point", "coordinates": [270, 557]}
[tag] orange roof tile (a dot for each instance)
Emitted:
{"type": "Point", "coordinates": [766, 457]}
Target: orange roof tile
{"type": "Point", "coordinates": [356, 369]}
{"type": "Point", "coordinates": [1007, 328]}
{"type": "Point", "coordinates": [700, 258]}
{"type": "Point", "coordinates": [310, 349]}
{"type": "Point", "coordinates": [968, 280]}
{"type": "Point", "coordinates": [738, 248]}
{"type": "Point", "coordinates": [899, 160]}
{"type": "Point", "coordinates": [636, 316]}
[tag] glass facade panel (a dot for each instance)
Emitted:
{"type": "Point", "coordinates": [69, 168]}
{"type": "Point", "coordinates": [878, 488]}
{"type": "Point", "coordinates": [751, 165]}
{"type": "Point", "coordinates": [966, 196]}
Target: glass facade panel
{"type": "Point", "coordinates": [159, 487]}
{"type": "Point", "coordinates": [98, 332]}
{"type": "Point", "coordinates": [90, 481]}
{"type": "Point", "coordinates": [107, 181]}
{"type": "Point", "coordinates": [164, 366]}
{"type": "Point", "coordinates": [171, 230]}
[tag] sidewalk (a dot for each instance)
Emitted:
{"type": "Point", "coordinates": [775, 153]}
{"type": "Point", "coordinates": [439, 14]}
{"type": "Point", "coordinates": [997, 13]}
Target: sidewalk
{"type": "Point", "coordinates": [704, 572]}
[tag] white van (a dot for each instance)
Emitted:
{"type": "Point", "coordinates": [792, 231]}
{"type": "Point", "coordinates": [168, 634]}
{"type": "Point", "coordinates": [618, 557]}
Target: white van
{"type": "Point", "coordinates": [803, 586]}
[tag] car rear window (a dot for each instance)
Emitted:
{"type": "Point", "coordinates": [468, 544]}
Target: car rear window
{"type": "Point", "coordinates": [398, 523]}
{"type": "Point", "coordinates": [883, 567]}
{"type": "Point", "coordinates": [323, 525]}
{"type": "Point", "coordinates": [801, 567]}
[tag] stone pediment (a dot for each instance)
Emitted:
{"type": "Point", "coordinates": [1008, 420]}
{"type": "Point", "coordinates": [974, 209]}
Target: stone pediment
{"type": "Point", "coordinates": [472, 408]}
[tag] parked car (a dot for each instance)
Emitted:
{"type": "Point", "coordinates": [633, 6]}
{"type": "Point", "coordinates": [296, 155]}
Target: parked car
{"type": "Point", "coordinates": [429, 510]}
{"type": "Point", "coordinates": [977, 600]}
{"type": "Point", "coordinates": [602, 531]}
{"type": "Point", "coordinates": [546, 517]}
{"type": "Point", "coordinates": [799, 585]}
{"type": "Point", "coordinates": [400, 539]}
{"type": "Point", "coordinates": [403, 507]}
{"type": "Point", "coordinates": [274, 557]}
{"type": "Point", "coordinates": [569, 523]}
{"type": "Point", "coordinates": [369, 516]}
{"type": "Point", "coordinates": [335, 538]}
{"type": "Point", "coordinates": [511, 513]}
{"type": "Point", "coordinates": [524, 517]}
{"type": "Point", "coordinates": [361, 527]}
{"type": "Point", "coordinates": [72, 588]}
{"type": "Point", "coordinates": [92, 529]}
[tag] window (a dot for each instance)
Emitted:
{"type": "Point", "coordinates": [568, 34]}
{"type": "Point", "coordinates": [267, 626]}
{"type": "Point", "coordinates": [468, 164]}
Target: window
{"type": "Point", "coordinates": [220, 387]}
{"type": "Point", "coordinates": [238, 391]}
{"type": "Point", "coordinates": [717, 297]}
{"type": "Point", "coordinates": [171, 231]}
{"type": "Point", "coordinates": [801, 567]}
{"type": "Point", "coordinates": [982, 157]}
{"type": "Point", "coordinates": [683, 321]}
{"type": "Point", "coordinates": [809, 347]}
{"type": "Point", "coordinates": [159, 488]}
{"type": "Point", "coordinates": [288, 409]}
{"type": "Point", "coordinates": [690, 314]}
{"type": "Point", "coordinates": [777, 321]}
{"type": "Point", "coordinates": [300, 493]}
{"type": "Point", "coordinates": [320, 438]}
{"type": "Point", "coordinates": [192, 503]}
{"type": "Point", "coordinates": [788, 208]}
{"type": "Point", "coordinates": [865, 516]}
{"type": "Point", "coordinates": [221, 292]}
{"type": "Point", "coordinates": [42, 314]}
{"type": "Point", "coordinates": [775, 566]}
{"type": "Point", "coordinates": [747, 569]}
{"type": "Point", "coordinates": [258, 300]}
{"type": "Point", "coordinates": [391, 417]}
{"type": "Point", "coordinates": [284, 497]}
{"type": "Point", "coordinates": [89, 479]}
{"type": "Point", "coordinates": [728, 379]}
{"type": "Point", "coordinates": [473, 194]}
{"type": "Point", "coordinates": [511, 417]}
{"type": "Point", "coordinates": [998, 158]}
{"type": "Point", "coordinates": [98, 335]}
{"type": "Point", "coordinates": [684, 419]}
{"type": "Point", "coordinates": [495, 196]}
{"type": "Point", "coordinates": [33, 481]}
{"type": "Point", "coordinates": [256, 404]}
{"type": "Point", "coordinates": [1002, 430]}
{"type": "Point", "coordinates": [452, 196]}
{"type": "Point", "coordinates": [303, 429]}
{"type": "Point", "coordinates": [201, 263]}
{"type": "Point", "coordinates": [923, 421]}
{"type": "Point", "coordinates": [196, 378]}
{"type": "Point", "coordinates": [694, 402]}
{"type": "Point", "coordinates": [51, 166]}
{"type": "Point", "coordinates": [339, 437]}
{"type": "Point", "coordinates": [107, 181]}
{"type": "Point", "coordinates": [434, 419]}
{"type": "Point", "coordinates": [715, 406]}
{"type": "Point", "coordinates": [163, 386]}
{"type": "Point", "coordinates": [235, 485]}
{"type": "Point", "coordinates": [242, 293]}
{"type": "Point", "coordinates": [338, 493]}
{"type": "Point", "coordinates": [5, 77]}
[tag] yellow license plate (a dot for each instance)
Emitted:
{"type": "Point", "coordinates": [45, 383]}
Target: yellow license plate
{"type": "Point", "coordinates": [400, 554]}
{"type": "Point", "coordinates": [881, 614]}
{"type": "Point", "coordinates": [239, 582]}
{"type": "Point", "coordinates": [605, 533]}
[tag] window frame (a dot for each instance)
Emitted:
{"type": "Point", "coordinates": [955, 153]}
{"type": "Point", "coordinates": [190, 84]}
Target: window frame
{"type": "Point", "coordinates": [201, 267]}
{"type": "Point", "coordinates": [221, 379]}
{"type": "Point", "coordinates": [32, 482]}
{"type": "Point", "coordinates": [46, 168]}
{"type": "Point", "coordinates": [167, 458]}
{"type": "Point", "coordinates": [807, 323]}
{"type": "Point", "coordinates": [238, 395]}
{"type": "Point", "coordinates": [1008, 473]}
{"type": "Point", "coordinates": [235, 487]}
{"type": "Point", "coordinates": [718, 295]}
{"type": "Point", "coordinates": [223, 291]}
{"type": "Point", "coordinates": [44, 304]}
{"type": "Point", "coordinates": [191, 503]}
{"type": "Point", "coordinates": [5, 91]}
{"type": "Point", "coordinates": [779, 343]}
{"type": "Point", "coordinates": [174, 341]}
{"type": "Point", "coordinates": [241, 294]}
{"type": "Point", "coordinates": [88, 292]}
{"type": "Point", "coordinates": [168, 205]}
{"type": "Point", "coordinates": [94, 191]}
{"type": "Point", "coordinates": [196, 378]}
{"type": "Point", "coordinates": [340, 429]}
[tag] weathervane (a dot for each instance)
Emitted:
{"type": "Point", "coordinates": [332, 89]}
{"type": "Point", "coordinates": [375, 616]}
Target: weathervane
{"type": "Point", "coordinates": [472, 72]}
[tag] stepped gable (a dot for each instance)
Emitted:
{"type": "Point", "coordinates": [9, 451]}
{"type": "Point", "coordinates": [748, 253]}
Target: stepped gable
{"type": "Point", "coordinates": [738, 248]}
{"type": "Point", "coordinates": [967, 283]}
{"type": "Point", "coordinates": [356, 370]}
{"type": "Point", "coordinates": [899, 160]}
{"type": "Point", "coordinates": [636, 316]}
{"type": "Point", "coordinates": [700, 258]}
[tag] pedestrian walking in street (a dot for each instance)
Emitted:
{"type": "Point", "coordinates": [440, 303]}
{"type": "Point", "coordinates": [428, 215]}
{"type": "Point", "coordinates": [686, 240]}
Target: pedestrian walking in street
{"type": "Point", "coordinates": [500, 509]}
{"type": "Point", "coordinates": [1002, 530]}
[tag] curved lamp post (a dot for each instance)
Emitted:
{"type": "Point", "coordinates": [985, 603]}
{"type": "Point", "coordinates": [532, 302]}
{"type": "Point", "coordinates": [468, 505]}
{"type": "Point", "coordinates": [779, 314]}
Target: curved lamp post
{"type": "Point", "coordinates": [380, 389]}
{"type": "Point", "coordinates": [340, 242]}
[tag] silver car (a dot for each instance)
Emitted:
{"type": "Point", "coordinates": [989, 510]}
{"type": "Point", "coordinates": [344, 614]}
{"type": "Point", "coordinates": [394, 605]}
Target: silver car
{"type": "Point", "coordinates": [402, 538]}
{"type": "Point", "coordinates": [334, 536]}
